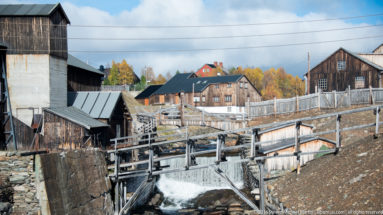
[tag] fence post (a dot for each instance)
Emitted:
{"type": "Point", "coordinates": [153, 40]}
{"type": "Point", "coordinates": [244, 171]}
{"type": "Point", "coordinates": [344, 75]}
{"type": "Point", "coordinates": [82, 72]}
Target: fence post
{"type": "Point", "coordinates": [297, 104]}
{"type": "Point", "coordinates": [335, 100]}
{"type": "Point", "coordinates": [372, 100]}
{"type": "Point", "coordinates": [261, 185]}
{"type": "Point", "coordinates": [254, 138]}
{"type": "Point", "coordinates": [150, 166]}
{"type": "Point", "coordinates": [318, 94]}
{"type": "Point", "coordinates": [338, 137]}
{"type": "Point", "coordinates": [218, 155]}
{"type": "Point", "coordinates": [297, 145]}
{"type": "Point", "coordinates": [275, 106]}
{"type": "Point", "coordinates": [117, 185]}
{"type": "Point", "coordinates": [349, 94]}
{"type": "Point", "coordinates": [187, 158]}
{"type": "Point", "coordinates": [377, 110]}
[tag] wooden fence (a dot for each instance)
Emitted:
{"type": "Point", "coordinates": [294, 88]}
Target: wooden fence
{"type": "Point", "coordinates": [315, 101]}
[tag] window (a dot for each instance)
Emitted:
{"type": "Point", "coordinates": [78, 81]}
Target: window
{"type": "Point", "coordinates": [203, 98]}
{"type": "Point", "coordinates": [245, 85]}
{"type": "Point", "coordinates": [359, 82]}
{"type": "Point", "coordinates": [198, 82]}
{"type": "Point", "coordinates": [217, 86]}
{"type": "Point", "coordinates": [240, 85]}
{"type": "Point", "coordinates": [341, 65]}
{"type": "Point", "coordinates": [229, 109]}
{"type": "Point", "coordinates": [196, 99]}
{"type": "Point", "coordinates": [228, 85]}
{"type": "Point", "coordinates": [322, 84]}
{"type": "Point", "coordinates": [215, 99]}
{"type": "Point", "coordinates": [227, 98]}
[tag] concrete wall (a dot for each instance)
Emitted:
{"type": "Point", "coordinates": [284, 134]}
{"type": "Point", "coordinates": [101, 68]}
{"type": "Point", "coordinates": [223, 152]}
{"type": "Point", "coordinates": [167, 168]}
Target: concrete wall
{"type": "Point", "coordinates": [35, 81]}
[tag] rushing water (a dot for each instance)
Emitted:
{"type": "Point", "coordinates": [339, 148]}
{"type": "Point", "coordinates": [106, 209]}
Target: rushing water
{"type": "Point", "coordinates": [178, 188]}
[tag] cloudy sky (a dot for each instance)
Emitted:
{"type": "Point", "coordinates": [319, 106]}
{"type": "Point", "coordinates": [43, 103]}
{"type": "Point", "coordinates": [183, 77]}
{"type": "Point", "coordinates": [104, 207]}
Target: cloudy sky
{"type": "Point", "coordinates": [256, 33]}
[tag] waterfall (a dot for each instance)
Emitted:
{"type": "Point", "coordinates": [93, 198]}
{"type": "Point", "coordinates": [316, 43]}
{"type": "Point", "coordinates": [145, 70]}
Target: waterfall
{"type": "Point", "coordinates": [180, 187]}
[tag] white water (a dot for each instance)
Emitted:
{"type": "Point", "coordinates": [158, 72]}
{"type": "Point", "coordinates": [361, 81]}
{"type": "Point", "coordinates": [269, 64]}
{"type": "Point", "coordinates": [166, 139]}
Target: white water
{"type": "Point", "coordinates": [178, 188]}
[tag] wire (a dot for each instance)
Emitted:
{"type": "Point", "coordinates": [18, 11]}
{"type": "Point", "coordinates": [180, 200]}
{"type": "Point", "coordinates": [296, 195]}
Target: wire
{"type": "Point", "coordinates": [204, 26]}
{"type": "Point", "coordinates": [202, 49]}
{"type": "Point", "coordinates": [207, 37]}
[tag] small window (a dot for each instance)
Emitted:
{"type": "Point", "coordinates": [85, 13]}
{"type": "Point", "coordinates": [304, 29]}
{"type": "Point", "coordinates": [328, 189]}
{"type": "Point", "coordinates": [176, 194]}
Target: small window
{"type": "Point", "coordinates": [322, 84]}
{"type": "Point", "coordinates": [203, 98]}
{"type": "Point", "coordinates": [217, 86]}
{"type": "Point", "coordinates": [240, 85]}
{"type": "Point", "coordinates": [215, 99]}
{"type": "Point", "coordinates": [229, 109]}
{"type": "Point", "coordinates": [198, 82]}
{"type": "Point", "coordinates": [204, 82]}
{"type": "Point", "coordinates": [229, 85]}
{"type": "Point", "coordinates": [227, 98]}
{"type": "Point", "coordinates": [359, 82]}
{"type": "Point", "coordinates": [245, 85]}
{"type": "Point", "coordinates": [341, 65]}
{"type": "Point", "coordinates": [196, 99]}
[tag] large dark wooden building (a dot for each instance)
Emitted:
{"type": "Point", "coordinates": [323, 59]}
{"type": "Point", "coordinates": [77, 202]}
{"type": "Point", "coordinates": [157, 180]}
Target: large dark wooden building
{"type": "Point", "coordinates": [230, 90]}
{"type": "Point", "coordinates": [341, 70]}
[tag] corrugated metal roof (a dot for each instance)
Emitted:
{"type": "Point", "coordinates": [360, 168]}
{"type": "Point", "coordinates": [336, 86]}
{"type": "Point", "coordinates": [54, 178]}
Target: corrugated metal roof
{"type": "Point", "coordinates": [183, 82]}
{"type": "Point", "coordinates": [31, 10]}
{"type": "Point", "coordinates": [75, 62]}
{"type": "Point", "coordinates": [77, 116]}
{"type": "Point", "coordinates": [148, 91]}
{"type": "Point", "coordinates": [286, 143]}
{"type": "Point", "coordinates": [99, 105]}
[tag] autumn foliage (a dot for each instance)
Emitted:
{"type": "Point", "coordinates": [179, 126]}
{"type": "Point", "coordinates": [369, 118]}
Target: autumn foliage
{"type": "Point", "coordinates": [273, 83]}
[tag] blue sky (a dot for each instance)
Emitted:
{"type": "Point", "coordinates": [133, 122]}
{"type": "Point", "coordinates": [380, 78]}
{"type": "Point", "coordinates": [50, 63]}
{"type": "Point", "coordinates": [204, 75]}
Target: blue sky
{"type": "Point", "coordinates": [218, 12]}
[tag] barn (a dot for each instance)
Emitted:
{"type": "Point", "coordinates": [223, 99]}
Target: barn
{"type": "Point", "coordinates": [287, 146]}
{"type": "Point", "coordinates": [342, 69]}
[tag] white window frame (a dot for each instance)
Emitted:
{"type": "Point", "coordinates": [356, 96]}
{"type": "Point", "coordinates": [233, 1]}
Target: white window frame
{"type": "Point", "coordinates": [228, 85]}
{"type": "Point", "coordinates": [228, 98]}
{"type": "Point", "coordinates": [341, 65]}
{"type": "Point", "coordinates": [215, 98]}
{"type": "Point", "coordinates": [196, 99]}
{"type": "Point", "coordinates": [245, 85]}
{"type": "Point", "coordinates": [322, 83]}
{"type": "Point", "coordinates": [240, 85]}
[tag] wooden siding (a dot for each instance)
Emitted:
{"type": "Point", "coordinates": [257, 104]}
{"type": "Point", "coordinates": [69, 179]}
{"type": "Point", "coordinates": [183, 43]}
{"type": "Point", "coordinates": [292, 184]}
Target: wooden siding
{"type": "Point", "coordinates": [379, 50]}
{"type": "Point", "coordinates": [282, 133]}
{"type": "Point", "coordinates": [24, 136]}
{"type": "Point", "coordinates": [83, 80]}
{"type": "Point", "coordinates": [35, 35]}
{"type": "Point", "coordinates": [289, 163]}
{"type": "Point", "coordinates": [340, 80]}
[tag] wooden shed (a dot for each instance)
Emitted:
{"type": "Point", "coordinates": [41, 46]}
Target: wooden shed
{"type": "Point", "coordinates": [144, 97]}
{"type": "Point", "coordinates": [107, 107]}
{"type": "Point", "coordinates": [341, 69]}
{"type": "Point", "coordinates": [70, 128]}
{"type": "Point", "coordinates": [83, 77]}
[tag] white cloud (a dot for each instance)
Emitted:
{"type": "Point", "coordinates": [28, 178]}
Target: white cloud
{"type": "Point", "coordinates": [198, 12]}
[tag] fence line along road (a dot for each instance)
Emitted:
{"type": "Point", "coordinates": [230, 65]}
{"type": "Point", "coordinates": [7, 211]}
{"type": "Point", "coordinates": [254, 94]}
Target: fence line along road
{"type": "Point", "coordinates": [315, 101]}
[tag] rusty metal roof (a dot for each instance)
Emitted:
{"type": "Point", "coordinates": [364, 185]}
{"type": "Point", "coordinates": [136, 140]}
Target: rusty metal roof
{"type": "Point", "coordinates": [75, 62]}
{"type": "Point", "coordinates": [77, 116]}
{"type": "Point", "coordinates": [99, 105]}
{"type": "Point", "coordinates": [31, 10]}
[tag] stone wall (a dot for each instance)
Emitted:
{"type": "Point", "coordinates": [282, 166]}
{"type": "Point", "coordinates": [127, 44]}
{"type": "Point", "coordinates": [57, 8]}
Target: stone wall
{"type": "Point", "coordinates": [17, 184]}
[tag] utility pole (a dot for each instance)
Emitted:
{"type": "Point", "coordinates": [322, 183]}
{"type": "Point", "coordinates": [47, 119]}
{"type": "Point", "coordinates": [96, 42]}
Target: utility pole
{"type": "Point", "coordinates": [308, 73]}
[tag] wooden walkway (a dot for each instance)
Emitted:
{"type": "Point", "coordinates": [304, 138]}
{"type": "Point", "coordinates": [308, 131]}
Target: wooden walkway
{"type": "Point", "coordinates": [122, 172]}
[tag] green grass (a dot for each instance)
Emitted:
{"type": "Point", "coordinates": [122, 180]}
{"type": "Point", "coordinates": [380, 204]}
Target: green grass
{"type": "Point", "coordinates": [323, 147]}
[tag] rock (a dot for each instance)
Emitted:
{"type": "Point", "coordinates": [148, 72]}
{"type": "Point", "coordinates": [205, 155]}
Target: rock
{"type": "Point", "coordinates": [270, 187]}
{"type": "Point", "coordinates": [5, 206]}
{"type": "Point", "coordinates": [362, 154]}
{"type": "Point", "coordinates": [155, 200]}
{"type": "Point", "coordinates": [255, 191]}
{"type": "Point", "coordinates": [20, 188]}
{"type": "Point", "coordinates": [235, 204]}
{"type": "Point", "coordinates": [17, 179]}
{"type": "Point", "coordinates": [358, 178]}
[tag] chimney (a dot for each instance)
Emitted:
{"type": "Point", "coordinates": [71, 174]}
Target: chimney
{"type": "Point", "coordinates": [221, 64]}
{"type": "Point", "coordinates": [215, 63]}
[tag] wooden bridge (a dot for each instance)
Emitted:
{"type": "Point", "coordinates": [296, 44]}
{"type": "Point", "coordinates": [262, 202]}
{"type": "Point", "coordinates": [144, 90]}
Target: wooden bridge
{"type": "Point", "coordinates": [125, 170]}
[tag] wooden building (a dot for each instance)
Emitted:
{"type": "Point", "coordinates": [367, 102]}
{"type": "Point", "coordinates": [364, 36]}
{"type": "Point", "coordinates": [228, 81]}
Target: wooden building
{"type": "Point", "coordinates": [144, 97]}
{"type": "Point", "coordinates": [71, 128]}
{"type": "Point", "coordinates": [107, 107]}
{"type": "Point", "coordinates": [342, 69]}
{"type": "Point", "coordinates": [219, 91]}
{"type": "Point", "coordinates": [287, 146]}
{"type": "Point", "coordinates": [36, 37]}
{"type": "Point", "coordinates": [210, 70]}
{"type": "Point", "coordinates": [375, 56]}
{"type": "Point", "coordinates": [83, 77]}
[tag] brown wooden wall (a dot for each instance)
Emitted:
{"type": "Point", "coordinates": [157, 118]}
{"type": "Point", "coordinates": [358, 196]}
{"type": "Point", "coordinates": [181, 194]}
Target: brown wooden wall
{"type": "Point", "coordinates": [24, 136]}
{"type": "Point", "coordinates": [340, 80]}
{"type": "Point", "coordinates": [82, 80]}
{"type": "Point", "coordinates": [35, 35]}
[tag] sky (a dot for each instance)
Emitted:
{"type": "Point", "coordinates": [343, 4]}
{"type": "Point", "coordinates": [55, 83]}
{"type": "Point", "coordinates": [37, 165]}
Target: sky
{"type": "Point", "coordinates": [254, 47]}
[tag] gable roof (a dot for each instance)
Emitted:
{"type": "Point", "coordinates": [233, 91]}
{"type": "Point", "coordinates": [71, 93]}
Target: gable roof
{"type": "Point", "coordinates": [352, 54]}
{"type": "Point", "coordinates": [31, 10]}
{"type": "Point", "coordinates": [148, 91]}
{"type": "Point", "coordinates": [283, 126]}
{"type": "Point", "coordinates": [99, 105]}
{"type": "Point", "coordinates": [184, 83]}
{"type": "Point", "coordinates": [290, 142]}
{"type": "Point", "coordinates": [377, 48]}
{"type": "Point", "coordinates": [75, 62]}
{"type": "Point", "coordinates": [77, 116]}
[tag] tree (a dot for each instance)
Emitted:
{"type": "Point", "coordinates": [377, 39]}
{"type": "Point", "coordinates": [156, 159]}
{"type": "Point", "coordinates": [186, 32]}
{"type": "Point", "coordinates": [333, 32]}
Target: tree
{"type": "Point", "coordinates": [160, 80]}
{"type": "Point", "coordinates": [113, 75]}
{"type": "Point", "coordinates": [177, 72]}
{"type": "Point", "coordinates": [148, 73]}
{"type": "Point", "coordinates": [168, 76]}
{"type": "Point", "coordinates": [126, 73]}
